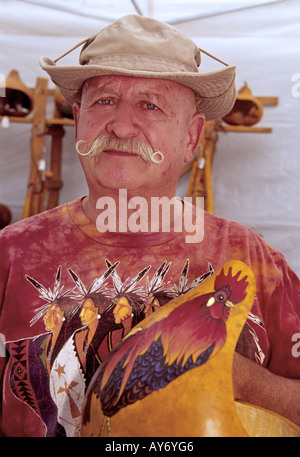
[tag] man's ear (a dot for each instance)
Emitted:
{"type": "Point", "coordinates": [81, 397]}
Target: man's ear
{"type": "Point", "coordinates": [196, 127]}
{"type": "Point", "coordinates": [76, 114]}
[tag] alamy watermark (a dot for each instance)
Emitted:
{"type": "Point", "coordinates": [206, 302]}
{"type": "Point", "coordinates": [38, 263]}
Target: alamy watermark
{"type": "Point", "coordinates": [161, 215]}
{"type": "Point", "coordinates": [2, 345]}
{"type": "Point", "coordinates": [2, 85]}
{"type": "Point", "coordinates": [296, 86]}
{"type": "Point", "coordinates": [296, 346]}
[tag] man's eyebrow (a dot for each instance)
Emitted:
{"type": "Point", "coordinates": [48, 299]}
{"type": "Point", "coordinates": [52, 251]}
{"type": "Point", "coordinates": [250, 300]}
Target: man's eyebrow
{"type": "Point", "coordinates": [152, 93]}
{"type": "Point", "coordinates": [109, 88]}
{"type": "Point", "coordinates": [93, 91]}
{"type": "Point", "coordinates": [155, 97]}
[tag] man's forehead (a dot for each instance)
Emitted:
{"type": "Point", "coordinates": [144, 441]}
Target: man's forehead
{"type": "Point", "coordinates": [156, 86]}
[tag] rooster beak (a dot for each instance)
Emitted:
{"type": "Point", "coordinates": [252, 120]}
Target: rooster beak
{"type": "Point", "coordinates": [211, 301]}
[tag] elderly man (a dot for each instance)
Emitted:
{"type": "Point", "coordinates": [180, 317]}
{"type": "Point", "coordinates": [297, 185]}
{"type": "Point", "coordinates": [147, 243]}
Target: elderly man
{"type": "Point", "coordinates": [139, 104]}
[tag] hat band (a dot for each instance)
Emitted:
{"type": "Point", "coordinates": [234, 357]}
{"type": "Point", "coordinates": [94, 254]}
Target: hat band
{"type": "Point", "coordinates": [137, 62]}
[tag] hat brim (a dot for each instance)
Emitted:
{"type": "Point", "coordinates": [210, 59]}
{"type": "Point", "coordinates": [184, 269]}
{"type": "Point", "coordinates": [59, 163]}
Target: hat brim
{"type": "Point", "coordinates": [215, 90]}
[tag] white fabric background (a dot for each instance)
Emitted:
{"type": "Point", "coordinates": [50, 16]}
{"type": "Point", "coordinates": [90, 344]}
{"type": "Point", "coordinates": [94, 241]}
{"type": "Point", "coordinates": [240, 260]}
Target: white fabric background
{"type": "Point", "coordinates": [255, 176]}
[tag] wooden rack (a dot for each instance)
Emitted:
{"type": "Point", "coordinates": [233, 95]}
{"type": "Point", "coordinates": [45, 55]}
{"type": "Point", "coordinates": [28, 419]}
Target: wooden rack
{"type": "Point", "coordinates": [200, 184]}
{"type": "Point", "coordinates": [43, 185]}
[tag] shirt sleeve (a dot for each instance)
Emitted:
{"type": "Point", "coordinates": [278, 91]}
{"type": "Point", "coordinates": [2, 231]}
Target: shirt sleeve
{"type": "Point", "coordinates": [272, 333]}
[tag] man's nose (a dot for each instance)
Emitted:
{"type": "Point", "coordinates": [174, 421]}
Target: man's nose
{"type": "Point", "coordinates": [123, 123]}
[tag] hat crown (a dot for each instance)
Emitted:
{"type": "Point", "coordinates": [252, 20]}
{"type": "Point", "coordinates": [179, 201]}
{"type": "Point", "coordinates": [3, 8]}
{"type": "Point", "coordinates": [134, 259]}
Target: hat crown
{"type": "Point", "coordinates": [141, 43]}
{"type": "Point", "coordinates": [142, 47]}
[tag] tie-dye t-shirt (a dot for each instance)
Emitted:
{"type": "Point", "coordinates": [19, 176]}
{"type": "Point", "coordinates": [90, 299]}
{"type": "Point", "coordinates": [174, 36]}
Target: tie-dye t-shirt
{"type": "Point", "coordinates": [58, 271]}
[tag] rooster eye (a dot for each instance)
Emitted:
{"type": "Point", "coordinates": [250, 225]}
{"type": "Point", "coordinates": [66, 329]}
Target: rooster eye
{"type": "Point", "coordinates": [221, 296]}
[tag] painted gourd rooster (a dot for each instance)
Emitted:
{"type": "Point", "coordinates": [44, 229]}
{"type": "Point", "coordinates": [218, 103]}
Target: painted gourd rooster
{"type": "Point", "coordinates": [181, 336]}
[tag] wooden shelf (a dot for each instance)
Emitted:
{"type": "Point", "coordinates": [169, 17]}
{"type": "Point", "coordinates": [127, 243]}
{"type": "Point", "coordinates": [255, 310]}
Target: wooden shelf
{"type": "Point", "coordinates": [268, 101]}
{"type": "Point", "coordinates": [29, 120]}
{"type": "Point", "coordinates": [244, 129]}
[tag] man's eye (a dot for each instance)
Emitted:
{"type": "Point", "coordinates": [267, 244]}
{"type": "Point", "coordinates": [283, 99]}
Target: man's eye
{"type": "Point", "coordinates": [150, 106]}
{"type": "Point", "coordinates": [105, 101]}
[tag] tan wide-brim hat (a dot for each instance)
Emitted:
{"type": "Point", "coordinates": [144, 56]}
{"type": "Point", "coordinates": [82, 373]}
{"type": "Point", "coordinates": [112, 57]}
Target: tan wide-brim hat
{"type": "Point", "coordinates": [144, 47]}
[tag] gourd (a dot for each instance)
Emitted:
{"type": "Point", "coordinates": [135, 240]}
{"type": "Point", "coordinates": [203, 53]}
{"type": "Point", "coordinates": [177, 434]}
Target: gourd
{"type": "Point", "coordinates": [247, 109]}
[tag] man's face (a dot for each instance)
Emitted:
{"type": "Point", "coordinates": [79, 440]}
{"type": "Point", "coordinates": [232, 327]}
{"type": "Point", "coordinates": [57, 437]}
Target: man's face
{"type": "Point", "coordinates": [155, 112]}
{"type": "Point", "coordinates": [122, 310]}
{"type": "Point", "coordinates": [89, 312]}
{"type": "Point", "coordinates": [54, 317]}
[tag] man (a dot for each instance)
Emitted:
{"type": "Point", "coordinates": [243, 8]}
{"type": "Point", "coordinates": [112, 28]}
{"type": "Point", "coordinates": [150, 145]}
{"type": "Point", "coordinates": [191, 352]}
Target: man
{"type": "Point", "coordinates": [139, 104]}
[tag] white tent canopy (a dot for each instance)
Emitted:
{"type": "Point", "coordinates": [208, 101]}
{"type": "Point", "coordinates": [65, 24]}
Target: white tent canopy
{"type": "Point", "coordinates": [255, 176]}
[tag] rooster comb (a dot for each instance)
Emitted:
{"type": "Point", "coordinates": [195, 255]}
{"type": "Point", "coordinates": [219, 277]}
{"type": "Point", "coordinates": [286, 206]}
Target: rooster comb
{"type": "Point", "coordinates": [237, 286]}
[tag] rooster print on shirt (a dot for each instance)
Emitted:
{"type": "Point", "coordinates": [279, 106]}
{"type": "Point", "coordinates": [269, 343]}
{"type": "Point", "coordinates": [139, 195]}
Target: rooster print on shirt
{"type": "Point", "coordinates": [52, 371]}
